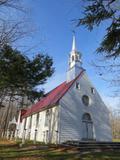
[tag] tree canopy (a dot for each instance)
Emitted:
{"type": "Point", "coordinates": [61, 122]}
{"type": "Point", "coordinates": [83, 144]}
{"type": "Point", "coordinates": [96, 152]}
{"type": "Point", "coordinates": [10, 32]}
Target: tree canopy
{"type": "Point", "coordinates": [20, 75]}
{"type": "Point", "coordinates": [97, 11]}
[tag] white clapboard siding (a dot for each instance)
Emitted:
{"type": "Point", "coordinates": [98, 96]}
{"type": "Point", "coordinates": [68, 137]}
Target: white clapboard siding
{"type": "Point", "coordinates": [72, 110]}
{"type": "Point", "coordinates": [41, 128]}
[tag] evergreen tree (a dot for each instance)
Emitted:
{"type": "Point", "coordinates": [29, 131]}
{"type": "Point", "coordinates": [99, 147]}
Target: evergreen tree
{"type": "Point", "coordinates": [97, 11]}
{"type": "Point", "coordinates": [20, 75]}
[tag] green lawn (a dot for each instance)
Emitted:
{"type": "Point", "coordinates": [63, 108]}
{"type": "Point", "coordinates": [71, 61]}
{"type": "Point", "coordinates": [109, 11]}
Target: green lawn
{"type": "Point", "coordinates": [116, 140]}
{"type": "Point", "coordinates": [29, 152]}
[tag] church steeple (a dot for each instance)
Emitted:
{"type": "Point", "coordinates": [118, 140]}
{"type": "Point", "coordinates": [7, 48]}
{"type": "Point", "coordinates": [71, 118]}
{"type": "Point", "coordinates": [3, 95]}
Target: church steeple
{"type": "Point", "coordinates": [73, 44]}
{"type": "Point", "coordinates": [75, 63]}
{"type": "Point", "coordinates": [75, 56]}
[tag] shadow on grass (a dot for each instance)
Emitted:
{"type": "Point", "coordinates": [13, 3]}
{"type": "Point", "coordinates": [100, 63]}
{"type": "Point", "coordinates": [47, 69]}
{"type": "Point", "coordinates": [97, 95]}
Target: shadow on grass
{"type": "Point", "coordinates": [41, 152]}
{"type": "Point", "coordinates": [45, 155]}
{"type": "Point", "coordinates": [90, 156]}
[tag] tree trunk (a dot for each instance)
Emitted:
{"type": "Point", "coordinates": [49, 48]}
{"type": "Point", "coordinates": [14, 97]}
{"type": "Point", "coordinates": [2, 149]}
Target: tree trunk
{"type": "Point", "coordinates": [6, 118]}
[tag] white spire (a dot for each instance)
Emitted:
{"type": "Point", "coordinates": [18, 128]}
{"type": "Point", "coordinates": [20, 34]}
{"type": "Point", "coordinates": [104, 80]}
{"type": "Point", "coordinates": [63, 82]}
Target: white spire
{"type": "Point", "coordinates": [75, 56]}
{"type": "Point", "coordinates": [74, 43]}
{"type": "Point", "coordinates": [75, 63]}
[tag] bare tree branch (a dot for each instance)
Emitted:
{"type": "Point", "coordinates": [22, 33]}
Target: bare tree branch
{"type": "Point", "coordinates": [12, 32]}
{"type": "Point", "coordinates": [14, 4]}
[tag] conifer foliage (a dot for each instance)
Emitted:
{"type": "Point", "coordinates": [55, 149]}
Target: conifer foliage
{"type": "Point", "coordinates": [20, 75]}
{"type": "Point", "coordinates": [97, 11]}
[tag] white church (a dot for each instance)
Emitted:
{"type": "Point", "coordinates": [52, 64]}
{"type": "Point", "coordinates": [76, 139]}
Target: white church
{"type": "Point", "coordinates": [73, 111]}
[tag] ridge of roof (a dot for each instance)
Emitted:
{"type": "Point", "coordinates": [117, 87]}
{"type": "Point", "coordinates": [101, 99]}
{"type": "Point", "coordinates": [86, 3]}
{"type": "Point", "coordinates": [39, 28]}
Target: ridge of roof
{"type": "Point", "coordinates": [52, 97]}
{"type": "Point", "coordinates": [72, 82]}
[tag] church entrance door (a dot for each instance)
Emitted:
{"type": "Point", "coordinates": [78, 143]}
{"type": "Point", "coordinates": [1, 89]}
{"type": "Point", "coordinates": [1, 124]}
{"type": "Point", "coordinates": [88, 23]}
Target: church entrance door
{"type": "Point", "coordinates": [87, 127]}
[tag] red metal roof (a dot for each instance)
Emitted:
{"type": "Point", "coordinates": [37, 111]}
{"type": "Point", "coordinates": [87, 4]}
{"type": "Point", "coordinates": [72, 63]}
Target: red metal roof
{"type": "Point", "coordinates": [52, 97]}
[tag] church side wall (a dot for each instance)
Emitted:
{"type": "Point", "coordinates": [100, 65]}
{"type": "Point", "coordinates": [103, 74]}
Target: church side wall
{"type": "Point", "coordinates": [54, 125]}
{"type": "Point", "coordinates": [72, 110]}
{"type": "Point", "coordinates": [47, 134]}
{"type": "Point", "coordinates": [20, 127]}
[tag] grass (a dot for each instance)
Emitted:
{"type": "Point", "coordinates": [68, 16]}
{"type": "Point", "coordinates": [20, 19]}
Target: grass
{"type": "Point", "coordinates": [116, 140]}
{"type": "Point", "coordinates": [11, 151]}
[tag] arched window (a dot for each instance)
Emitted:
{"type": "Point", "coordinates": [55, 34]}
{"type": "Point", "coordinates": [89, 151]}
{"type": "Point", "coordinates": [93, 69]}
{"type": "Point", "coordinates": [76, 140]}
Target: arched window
{"type": "Point", "coordinates": [72, 58]}
{"type": "Point", "coordinates": [76, 57]}
{"type": "Point", "coordinates": [86, 117]}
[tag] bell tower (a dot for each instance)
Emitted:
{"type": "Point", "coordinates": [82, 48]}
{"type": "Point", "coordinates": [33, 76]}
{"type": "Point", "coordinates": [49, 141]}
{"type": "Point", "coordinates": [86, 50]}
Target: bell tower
{"type": "Point", "coordinates": [75, 62]}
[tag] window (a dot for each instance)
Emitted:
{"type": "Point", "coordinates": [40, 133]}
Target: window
{"type": "Point", "coordinates": [77, 85]}
{"type": "Point", "coordinates": [85, 100]}
{"type": "Point", "coordinates": [47, 118]}
{"type": "Point", "coordinates": [25, 123]}
{"type": "Point", "coordinates": [92, 90]}
{"type": "Point", "coordinates": [76, 57]}
{"type": "Point", "coordinates": [43, 136]}
{"type": "Point", "coordinates": [47, 136]}
{"type": "Point", "coordinates": [30, 123]}
{"type": "Point", "coordinates": [86, 117]}
{"type": "Point", "coordinates": [37, 120]}
{"type": "Point", "coordinates": [72, 58]}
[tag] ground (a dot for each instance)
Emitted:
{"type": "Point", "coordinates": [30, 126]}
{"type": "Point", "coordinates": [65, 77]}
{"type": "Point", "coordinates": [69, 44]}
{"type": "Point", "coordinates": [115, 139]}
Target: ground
{"type": "Point", "coordinates": [9, 150]}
